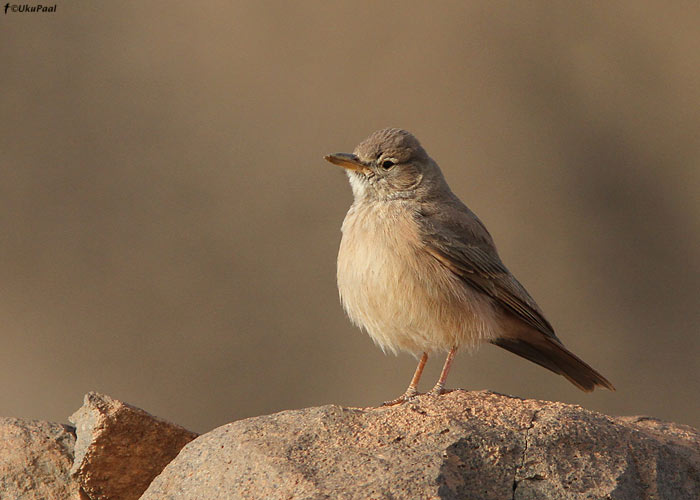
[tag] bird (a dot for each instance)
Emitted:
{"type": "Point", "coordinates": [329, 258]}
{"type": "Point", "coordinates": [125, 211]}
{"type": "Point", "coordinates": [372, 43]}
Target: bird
{"type": "Point", "coordinates": [419, 272]}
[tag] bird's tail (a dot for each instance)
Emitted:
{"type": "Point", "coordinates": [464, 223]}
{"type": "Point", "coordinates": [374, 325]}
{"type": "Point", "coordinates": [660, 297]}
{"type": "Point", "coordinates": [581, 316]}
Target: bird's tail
{"type": "Point", "coordinates": [551, 354]}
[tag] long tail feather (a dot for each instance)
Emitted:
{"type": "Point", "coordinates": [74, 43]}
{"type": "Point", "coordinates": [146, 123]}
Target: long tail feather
{"type": "Point", "coordinates": [551, 354]}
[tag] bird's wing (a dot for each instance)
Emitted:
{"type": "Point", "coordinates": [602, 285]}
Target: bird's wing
{"type": "Point", "coordinates": [460, 242]}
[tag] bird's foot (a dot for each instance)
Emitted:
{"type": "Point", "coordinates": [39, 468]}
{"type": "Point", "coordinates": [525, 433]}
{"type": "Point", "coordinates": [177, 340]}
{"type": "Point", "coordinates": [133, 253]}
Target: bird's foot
{"type": "Point", "coordinates": [410, 394]}
{"type": "Point", "coordinates": [438, 390]}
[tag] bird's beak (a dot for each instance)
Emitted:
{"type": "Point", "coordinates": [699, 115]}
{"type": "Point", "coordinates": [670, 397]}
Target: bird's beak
{"type": "Point", "coordinates": [347, 160]}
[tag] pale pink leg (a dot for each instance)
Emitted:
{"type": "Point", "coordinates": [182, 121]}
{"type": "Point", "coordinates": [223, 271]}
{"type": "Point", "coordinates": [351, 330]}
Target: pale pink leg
{"type": "Point", "coordinates": [412, 389]}
{"type": "Point", "coordinates": [440, 386]}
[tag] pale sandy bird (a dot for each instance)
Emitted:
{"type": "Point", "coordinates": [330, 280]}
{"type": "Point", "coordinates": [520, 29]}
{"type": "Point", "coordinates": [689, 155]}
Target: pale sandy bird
{"type": "Point", "coordinates": [420, 273]}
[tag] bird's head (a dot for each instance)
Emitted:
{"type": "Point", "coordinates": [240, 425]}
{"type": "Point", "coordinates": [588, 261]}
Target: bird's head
{"type": "Point", "coordinates": [389, 164]}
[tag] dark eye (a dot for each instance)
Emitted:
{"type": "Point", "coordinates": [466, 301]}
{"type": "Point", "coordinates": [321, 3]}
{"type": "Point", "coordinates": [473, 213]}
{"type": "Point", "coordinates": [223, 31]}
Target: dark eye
{"type": "Point", "coordinates": [387, 164]}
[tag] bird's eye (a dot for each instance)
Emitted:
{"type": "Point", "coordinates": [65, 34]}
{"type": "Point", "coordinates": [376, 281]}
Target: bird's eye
{"type": "Point", "coordinates": [387, 164]}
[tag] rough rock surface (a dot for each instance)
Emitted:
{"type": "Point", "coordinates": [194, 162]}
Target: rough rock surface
{"type": "Point", "coordinates": [121, 448]}
{"type": "Point", "coordinates": [461, 445]}
{"type": "Point", "coordinates": [35, 460]}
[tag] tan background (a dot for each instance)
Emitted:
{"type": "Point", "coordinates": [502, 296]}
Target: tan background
{"type": "Point", "coordinates": [169, 230]}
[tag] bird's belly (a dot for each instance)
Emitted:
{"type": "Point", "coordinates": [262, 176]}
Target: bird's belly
{"type": "Point", "coordinates": [403, 297]}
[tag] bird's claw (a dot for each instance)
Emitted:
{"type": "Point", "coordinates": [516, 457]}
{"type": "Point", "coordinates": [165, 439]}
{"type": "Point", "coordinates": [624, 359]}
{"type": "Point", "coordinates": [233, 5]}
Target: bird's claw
{"type": "Point", "coordinates": [409, 395]}
{"type": "Point", "coordinates": [438, 390]}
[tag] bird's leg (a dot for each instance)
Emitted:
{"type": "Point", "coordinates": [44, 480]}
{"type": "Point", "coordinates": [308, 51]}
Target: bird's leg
{"type": "Point", "coordinates": [440, 386]}
{"type": "Point", "coordinates": [411, 391]}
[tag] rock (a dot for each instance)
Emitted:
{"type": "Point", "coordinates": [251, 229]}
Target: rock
{"type": "Point", "coordinates": [120, 448]}
{"type": "Point", "coordinates": [461, 445]}
{"type": "Point", "coordinates": [35, 460]}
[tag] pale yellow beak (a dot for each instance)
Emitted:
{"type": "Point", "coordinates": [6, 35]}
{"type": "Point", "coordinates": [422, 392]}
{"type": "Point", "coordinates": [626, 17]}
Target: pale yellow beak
{"type": "Point", "coordinates": [347, 160]}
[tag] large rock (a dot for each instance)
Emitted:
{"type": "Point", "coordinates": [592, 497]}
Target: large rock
{"type": "Point", "coordinates": [35, 461]}
{"type": "Point", "coordinates": [121, 448]}
{"type": "Point", "coordinates": [477, 445]}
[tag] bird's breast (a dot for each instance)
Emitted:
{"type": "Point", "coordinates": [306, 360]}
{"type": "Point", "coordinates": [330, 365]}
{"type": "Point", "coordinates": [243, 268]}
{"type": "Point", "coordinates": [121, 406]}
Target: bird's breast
{"type": "Point", "coordinates": [390, 286]}
{"type": "Point", "coordinates": [377, 254]}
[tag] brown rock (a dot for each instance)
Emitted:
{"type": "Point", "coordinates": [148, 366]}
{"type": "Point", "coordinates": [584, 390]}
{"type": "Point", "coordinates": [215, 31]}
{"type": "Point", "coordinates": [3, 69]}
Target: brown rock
{"type": "Point", "coordinates": [35, 460]}
{"type": "Point", "coordinates": [477, 445]}
{"type": "Point", "coordinates": [120, 448]}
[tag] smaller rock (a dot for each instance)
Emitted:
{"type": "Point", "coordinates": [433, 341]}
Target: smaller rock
{"type": "Point", "coordinates": [35, 460]}
{"type": "Point", "coordinates": [121, 448]}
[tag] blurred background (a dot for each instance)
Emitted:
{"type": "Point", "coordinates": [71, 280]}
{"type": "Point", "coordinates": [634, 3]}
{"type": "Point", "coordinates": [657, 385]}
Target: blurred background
{"type": "Point", "coordinates": [169, 229]}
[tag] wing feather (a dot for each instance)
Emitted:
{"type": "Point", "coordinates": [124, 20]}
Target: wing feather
{"type": "Point", "coordinates": [463, 245]}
